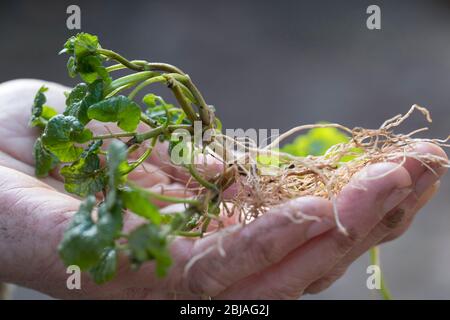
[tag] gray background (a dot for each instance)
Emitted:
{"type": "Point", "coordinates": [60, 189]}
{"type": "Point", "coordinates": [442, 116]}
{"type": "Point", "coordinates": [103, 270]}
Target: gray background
{"type": "Point", "coordinates": [277, 64]}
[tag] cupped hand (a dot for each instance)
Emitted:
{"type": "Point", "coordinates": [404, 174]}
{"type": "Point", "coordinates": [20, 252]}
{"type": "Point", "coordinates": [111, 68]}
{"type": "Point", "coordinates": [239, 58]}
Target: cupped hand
{"type": "Point", "coordinates": [274, 257]}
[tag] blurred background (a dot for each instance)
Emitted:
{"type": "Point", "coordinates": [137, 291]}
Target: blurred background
{"type": "Point", "coordinates": [278, 64]}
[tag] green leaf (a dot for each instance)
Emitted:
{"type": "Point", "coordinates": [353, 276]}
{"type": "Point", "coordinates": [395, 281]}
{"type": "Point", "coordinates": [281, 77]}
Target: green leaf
{"type": "Point", "coordinates": [151, 100]}
{"type": "Point", "coordinates": [106, 269]}
{"type": "Point", "coordinates": [315, 142]}
{"type": "Point", "coordinates": [81, 44]}
{"type": "Point", "coordinates": [148, 242]}
{"type": "Point", "coordinates": [41, 113]}
{"type": "Point", "coordinates": [158, 109]}
{"type": "Point", "coordinates": [91, 68]}
{"type": "Point", "coordinates": [118, 109]}
{"type": "Point", "coordinates": [77, 94]}
{"type": "Point", "coordinates": [85, 176]}
{"type": "Point", "coordinates": [81, 98]}
{"type": "Point", "coordinates": [110, 220]}
{"type": "Point", "coordinates": [84, 242]}
{"type": "Point", "coordinates": [61, 134]}
{"type": "Point", "coordinates": [85, 60]}
{"type": "Point", "coordinates": [117, 162]}
{"type": "Point", "coordinates": [44, 160]}
{"type": "Point", "coordinates": [72, 67]}
{"type": "Point", "coordinates": [138, 201]}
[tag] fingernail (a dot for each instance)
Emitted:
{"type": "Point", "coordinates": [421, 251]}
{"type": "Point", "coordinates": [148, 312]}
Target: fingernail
{"type": "Point", "coordinates": [425, 181]}
{"type": "Point", "coordinates": [394, 198]}
{"type": "Point", "coordinates": [317, 228]}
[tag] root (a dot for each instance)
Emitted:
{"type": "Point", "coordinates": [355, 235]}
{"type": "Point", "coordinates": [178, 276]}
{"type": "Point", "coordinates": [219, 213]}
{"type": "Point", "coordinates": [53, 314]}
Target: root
{"type": "Point", "coordinates": [262, 186]}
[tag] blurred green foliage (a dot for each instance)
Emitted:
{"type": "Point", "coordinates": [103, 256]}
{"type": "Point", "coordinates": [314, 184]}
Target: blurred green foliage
{"type": "Point", "coordinates": [315, 142]}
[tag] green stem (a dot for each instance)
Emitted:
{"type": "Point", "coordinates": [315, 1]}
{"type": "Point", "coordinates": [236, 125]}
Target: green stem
{"type": "Point", "coordinates": [143, 136]}
{"type": "Point", "coordinates": [162, 197]}
{"type": "Point", "coordinates": [142, 158]}
{"type": "Point", "coordinates": [139, 138]}
{"type": "Point", "coordinates": [114, 135]}
{"type": "Point", "coordinates": [184, 103]}
{"type": "Point", "coordinates": [149, 134]}
{"type": "Point", "coordinates": [162, 78]}
{"type": "Point", "coordinates": [375, 260]}
{"type": "Point", "coordinates": [148, 121]}
{"type": "Point", "coordinates": [120, 66]}
{"type": "Point", "coordinates": [205, 112]}
{"type": "Point", "coordinates": [159, 66]}
{"type": "Point", "coordinates": [131, 78]}
{"type": "Point", "coordinates": [116, 91]}
{"type": "Point", "coordinates": [197, 176]}
{"type": "Point", "coordinates": [205, 225]}
{"type": "Point", "coordinates": [117, 57]}
{"type": "Point", "coordinates": [188, 234]}
{"type": "Point", "coordinates": [144, 84]}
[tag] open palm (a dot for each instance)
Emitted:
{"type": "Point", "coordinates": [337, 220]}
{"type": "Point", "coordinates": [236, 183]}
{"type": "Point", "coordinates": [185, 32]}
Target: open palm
{"type": "Point", "coordinates": [273, 257]}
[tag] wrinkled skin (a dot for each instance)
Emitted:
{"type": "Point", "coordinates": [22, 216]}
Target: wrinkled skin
{"type": "Point", "coordinates": [272, 257]}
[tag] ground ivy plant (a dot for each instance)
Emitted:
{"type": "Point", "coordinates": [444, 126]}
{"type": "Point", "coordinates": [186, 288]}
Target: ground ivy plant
{"type": "Point", "coordinates": [97, 171]}
{"type": "Point", "coordinates": [98, 174]}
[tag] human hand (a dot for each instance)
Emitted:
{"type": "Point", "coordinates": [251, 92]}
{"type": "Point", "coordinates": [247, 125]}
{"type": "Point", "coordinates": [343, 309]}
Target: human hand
{"type": "Point", "coordinates": [272, 257]}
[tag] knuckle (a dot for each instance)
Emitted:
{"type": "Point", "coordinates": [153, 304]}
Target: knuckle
{"type": "Point", "coordinates": [326, 281]}
{"type": "Point", "coordinates": [344, 242]}
{"type": "Point", "coordinates": [203, 279]}
{"type": "Point", "coordinates": [263, 252]}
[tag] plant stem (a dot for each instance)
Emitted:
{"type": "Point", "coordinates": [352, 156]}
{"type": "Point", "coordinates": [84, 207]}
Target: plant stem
{"type": "Point", "coordinates": [115, 56]}
{"type": "Point", "coordinates": [205, 111]}
{"type": "Point", "coordinates": [139, 138]}
{"type": "Point", "coordinates": [162, 78]}
{"type": "Point", "coordinates": [184, 103]}
{"type": "Point", "coordinates": [116, 91]}
{"type": "Point", "coordinates": [188, 234]}
{"type": "Point", "coordinates": [159, 66]}
{"type": "Point", "coordinates": [148, 121]}
{"type": "Point", "coordinates": [139, 65]}
{"type": "Point", "coordinates": [197, 176]}
{"type": "Point", "coordinates": [142, 158]}
{"type": "Point", "coordinates": [144, 84]}
{"type": "Point", "coordinates": [143, 136]}
{"type": "Point", "coordinates": [375, 260]}
{"type": "Point", "coordinates": [165, 198]}
{"type": "Point", "coordinates": [114, 135]}
{"type": "Point", "coordinates": [120, 66]}
{"type": "Point", "coordinates": [205, 225]}
{"type": "Point", "coordinates": [131, 78]}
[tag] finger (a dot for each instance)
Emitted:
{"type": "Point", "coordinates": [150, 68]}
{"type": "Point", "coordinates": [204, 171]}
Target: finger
{"type": "Point", "coordinates": [418, 205]}
{"type": "Point", "coordinates": [16, 98]}
{"type": "Point", "coordinates": [201, 269]}
{"type": "Point", "coordinates": [361, 205]}
{"type": "Point", "coordinates": [12, 163]}
{"type": "Point", "coordinates": [397, 221]}
{"type": "Point", "coordinates": [380, 232]}
{"type": "Point", "coordinates": [423, 180]}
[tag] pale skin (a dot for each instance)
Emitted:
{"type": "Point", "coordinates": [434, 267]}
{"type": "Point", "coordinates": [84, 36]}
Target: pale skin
{"type": "Point", "coordinates": [271, 258]}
